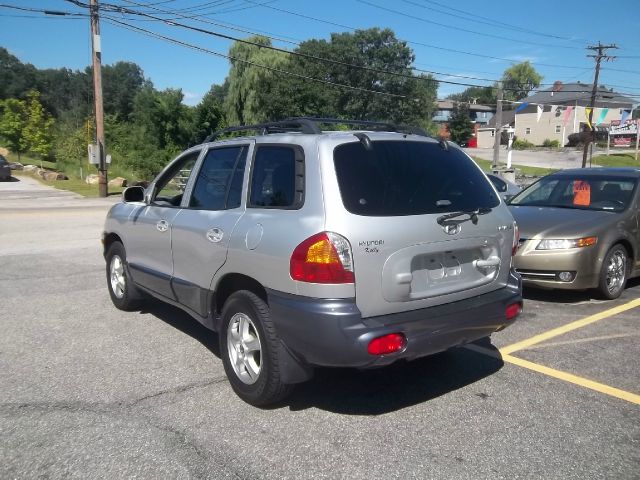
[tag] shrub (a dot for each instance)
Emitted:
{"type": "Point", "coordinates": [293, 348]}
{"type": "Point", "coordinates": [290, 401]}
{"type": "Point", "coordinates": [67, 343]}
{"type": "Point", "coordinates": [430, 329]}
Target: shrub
{"type": "Point", "coordinates": [551, 143]}
{"type": "Point", "coordinates": [522, 144]}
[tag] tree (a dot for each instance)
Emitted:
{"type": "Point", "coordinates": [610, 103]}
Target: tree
{"type": "Point", "coordinates": [249, 84]}
{"type": "Point", "coordinates": [460, 125]}
{"type": "Point", "coordinates": [519, 80]}
{"type": "Point", "coordinates": [13, 119]}
{"type": "Point", "coordinates": [38, 130]}
{"type": "Point", "coordinates": [481, 95]}
{"type": "Point", "coordinates": [208, 115]}
{"type": "Point", "coordinates": [120, 84]}
{"type": "Point", "coordinates": [375, 95]}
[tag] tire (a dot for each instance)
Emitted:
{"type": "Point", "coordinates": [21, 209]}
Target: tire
{"type": "Point", "coordinates": [249, 350]}
{"type": "Point", "coordinates": [613, 273]}
{"type": "Point", "coordinates": [124, 295]}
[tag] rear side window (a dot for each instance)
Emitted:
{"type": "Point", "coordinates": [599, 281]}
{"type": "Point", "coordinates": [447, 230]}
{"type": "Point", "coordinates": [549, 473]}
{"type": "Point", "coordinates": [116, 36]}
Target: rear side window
{"type": "Point", "coordinates": [219, 182]}
{"type": "Point", "coordinates": [277, 177]}
{"type": "Point", "coordinates": [396, 178]}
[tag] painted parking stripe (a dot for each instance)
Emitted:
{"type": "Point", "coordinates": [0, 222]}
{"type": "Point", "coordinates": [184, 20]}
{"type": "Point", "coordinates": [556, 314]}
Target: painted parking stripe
{"type": "Point", "coordinates": [559, 374]}
{"type": "Point", "coordinates": [569, 327]}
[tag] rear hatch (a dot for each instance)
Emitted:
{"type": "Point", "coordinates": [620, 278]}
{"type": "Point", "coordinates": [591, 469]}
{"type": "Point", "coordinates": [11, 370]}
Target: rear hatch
{"type": "Point", "coordinates": [425, 225]}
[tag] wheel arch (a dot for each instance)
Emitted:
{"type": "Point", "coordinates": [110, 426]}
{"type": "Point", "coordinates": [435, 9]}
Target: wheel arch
{"type": "Point", "coordinates": [232, 282]}
{"type": "Point", "coordinates": [108, 240]}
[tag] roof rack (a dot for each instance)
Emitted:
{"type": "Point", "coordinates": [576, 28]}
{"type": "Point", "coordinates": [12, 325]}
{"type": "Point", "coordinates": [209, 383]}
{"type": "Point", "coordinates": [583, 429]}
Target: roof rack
{"type": "Point", "coordinates": [311, 125]}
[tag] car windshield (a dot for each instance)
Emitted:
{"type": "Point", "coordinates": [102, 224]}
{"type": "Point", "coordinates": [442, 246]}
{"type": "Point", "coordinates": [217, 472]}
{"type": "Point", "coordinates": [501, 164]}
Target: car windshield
{"type": "Point", "coordinates": [395, 178]}
{"type": "Point", "coordinates": [587, 192]}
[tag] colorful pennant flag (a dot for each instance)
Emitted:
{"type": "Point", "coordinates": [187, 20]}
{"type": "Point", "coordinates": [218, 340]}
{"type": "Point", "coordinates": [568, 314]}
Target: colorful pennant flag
{"type": "Point", "coordinates": [522, 106]}
{"type": "Point", "coordinates": [603, 114]}
{"type": "Point", "coordinates": [567, 114]}
{"type": "Point", "coordinates": [625, 116]}
{"type": "Point", "coordinates": [587, 112]}
{"type": "Point", "coordinates": [554, 108]}
{"type": "Point", "coordinates": [540, 110]}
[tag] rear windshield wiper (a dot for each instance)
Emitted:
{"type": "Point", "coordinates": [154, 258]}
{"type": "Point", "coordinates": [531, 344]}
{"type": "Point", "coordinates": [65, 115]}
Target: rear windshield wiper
{"type": "Point", "coordinates": [473, 215]}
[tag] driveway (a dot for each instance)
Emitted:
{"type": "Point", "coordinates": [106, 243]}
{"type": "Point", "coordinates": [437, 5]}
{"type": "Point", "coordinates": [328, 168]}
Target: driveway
{"type": "Point", "coordinates": [88, 391]}
{"type": "Point", "coordinates": [569, 158]}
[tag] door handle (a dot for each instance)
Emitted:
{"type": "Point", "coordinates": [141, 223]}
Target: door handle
{"type": "Point", "coordinates": [489, 262]}
{"type": "Point", "coordinates": [162, 226]}
{"type": "Point", "coordinates": [214, 235]}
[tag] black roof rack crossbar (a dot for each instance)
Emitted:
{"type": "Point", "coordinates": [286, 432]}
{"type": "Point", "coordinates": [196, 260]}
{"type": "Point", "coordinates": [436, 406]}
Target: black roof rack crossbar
{"type": "Point", "coordinates": [311, 125]}
{"type": "Point", "coordinates": [301, 125]}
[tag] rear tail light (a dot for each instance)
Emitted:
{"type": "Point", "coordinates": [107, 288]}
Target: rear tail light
{"type": "Point", "coordinates": [516, 239]}
{"type": "Point", "coordinates": [323, 258]}
{"type": "Point", "coordinates": [513, 310]}
{"type": "Point", "coordinates": [393, 342]}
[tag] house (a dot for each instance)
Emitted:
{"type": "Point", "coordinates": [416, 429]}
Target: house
{"type": "Point", "coordinates": [559, 111]}
{"type": "Point", "coordinates": [480, 115]}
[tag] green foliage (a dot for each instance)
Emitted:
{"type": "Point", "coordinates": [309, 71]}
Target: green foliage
{"type": "Point", "coordinates": [208, 116]}
{"type": "Point", "coordinates": [519, 80]}
{"type": "Point", "coordinates": [249, 85]}
{"type": "Point", "coordinates": [121, 82]}
{"type": "Point", "coordinates": [519, 144]}
{"type": "Point", "coordinates": [481, 95]}
{"type": "Point", "coordinates": [411, 100]}
{"type": "Point", "coordinates": [460, 125]}
{"type": "Point", "coordinates": [551, 143]}
{"type": "Point", "coordinates": [13, 120]}
{"type": "Point", "coordinates": [38, 130]}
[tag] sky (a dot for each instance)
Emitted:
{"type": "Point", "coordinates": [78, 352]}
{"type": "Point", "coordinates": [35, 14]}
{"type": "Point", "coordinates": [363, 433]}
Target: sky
{"type": "Point", "coordinates": [456, 39]}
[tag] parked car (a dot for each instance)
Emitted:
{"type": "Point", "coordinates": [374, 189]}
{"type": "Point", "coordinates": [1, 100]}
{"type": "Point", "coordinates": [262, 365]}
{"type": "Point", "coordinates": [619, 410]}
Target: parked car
{"type": "Point", "coordinates": [505, 187]}
{"type": "Point", "coordinates": [5, 169]}
{"type": "Point", "coordinates": [305, 248]}
{"type": "Point", "coordinates": [580, 230]}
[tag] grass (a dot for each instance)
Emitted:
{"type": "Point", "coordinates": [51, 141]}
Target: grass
{"type": "Point", "coordinates": [616, 160]}
{"type": "Point", "coordinates": [75, 185]}
{"type": "Point", "coordinates": [535, 171]}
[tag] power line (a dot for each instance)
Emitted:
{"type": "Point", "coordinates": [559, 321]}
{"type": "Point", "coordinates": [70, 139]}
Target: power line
{"type": "Point", "coordinates": [480, 19]}
{"type": "Point", "coordinates": [229, 57]}
{"type": "Point", "coordinates": [427, 45]}
{"type": "Point", "coordinates": [457, 28]}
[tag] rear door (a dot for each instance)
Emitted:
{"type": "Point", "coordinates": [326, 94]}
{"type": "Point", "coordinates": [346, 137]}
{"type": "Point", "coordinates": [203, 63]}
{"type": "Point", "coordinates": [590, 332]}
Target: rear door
{"type": "Point", "coordinates": [202, 229]}
{"type": "Point", "coordinates": [407, 253]}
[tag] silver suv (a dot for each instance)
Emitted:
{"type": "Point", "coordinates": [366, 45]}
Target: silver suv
{"type": "Point", "coordinates": [304, 247]}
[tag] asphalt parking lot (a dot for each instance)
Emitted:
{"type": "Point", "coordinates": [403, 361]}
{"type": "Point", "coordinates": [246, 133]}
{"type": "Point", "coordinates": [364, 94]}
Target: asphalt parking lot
{"type": "Point", "coordinates": [87, 391]}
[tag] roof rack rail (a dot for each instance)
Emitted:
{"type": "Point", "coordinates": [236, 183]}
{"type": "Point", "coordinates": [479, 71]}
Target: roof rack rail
{"type": "Point", "coordinates": [311, 125]}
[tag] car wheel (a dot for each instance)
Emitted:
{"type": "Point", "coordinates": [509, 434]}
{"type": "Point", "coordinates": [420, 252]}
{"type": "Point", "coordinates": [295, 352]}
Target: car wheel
{"type": "Point", "coordinates": [249, 349]}
{"type": "Point", "coordinates": [124, 295]}
{"type": "Point", "coordinates": [613, 274]}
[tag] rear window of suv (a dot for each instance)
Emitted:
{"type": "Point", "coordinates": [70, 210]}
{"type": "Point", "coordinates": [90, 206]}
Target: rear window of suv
{"type": "Point", "coordinates": [396, 178]}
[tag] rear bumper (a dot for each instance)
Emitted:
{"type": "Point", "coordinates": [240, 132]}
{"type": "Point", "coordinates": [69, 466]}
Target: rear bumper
{"type": "Point", "coordinates": [332, 332]}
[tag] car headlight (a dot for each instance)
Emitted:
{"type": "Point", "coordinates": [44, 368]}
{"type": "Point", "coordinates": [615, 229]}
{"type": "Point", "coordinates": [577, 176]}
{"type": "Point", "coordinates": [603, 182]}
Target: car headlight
{"type": "Point", "coordinates": [563, 244]}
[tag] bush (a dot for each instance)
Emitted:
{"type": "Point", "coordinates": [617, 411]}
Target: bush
{"type": "Point", "coordinates": [551, 143]}
{"type": "Point", "coordinates": [522, 144]}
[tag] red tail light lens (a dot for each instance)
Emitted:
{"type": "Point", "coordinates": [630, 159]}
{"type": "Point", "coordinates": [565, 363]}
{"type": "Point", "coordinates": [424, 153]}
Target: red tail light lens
{"type": "Point", "coordinates": [513, 310]}
{"type": "Point", "coordinates": [322, 258]}
{"type": "Point", "coordinates": [394, 342]}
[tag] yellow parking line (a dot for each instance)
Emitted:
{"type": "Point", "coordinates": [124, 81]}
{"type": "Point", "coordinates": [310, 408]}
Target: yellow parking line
{"type": "Point", "coordinates": [568, 377]}
{"type": "Point", "coordinates": [552, 372]}
{"type": "Point", "coordinates": [569, 327]}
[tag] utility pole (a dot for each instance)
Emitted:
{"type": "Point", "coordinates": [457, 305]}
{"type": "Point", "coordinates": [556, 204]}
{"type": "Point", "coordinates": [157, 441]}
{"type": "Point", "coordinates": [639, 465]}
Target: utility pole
{"type": "Point", "coordinates": [96, 49]}
{"type": "Point", "coordinates": [599, 57]}
{"type": "Point", "coordinates": [498, 134]}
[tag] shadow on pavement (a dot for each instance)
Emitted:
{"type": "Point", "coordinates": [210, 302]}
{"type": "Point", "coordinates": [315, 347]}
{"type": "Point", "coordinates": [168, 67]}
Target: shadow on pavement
{"type": "Point", "coordinates": [185, 323]}
{"type": "Point", "coordinates": [401, 385]}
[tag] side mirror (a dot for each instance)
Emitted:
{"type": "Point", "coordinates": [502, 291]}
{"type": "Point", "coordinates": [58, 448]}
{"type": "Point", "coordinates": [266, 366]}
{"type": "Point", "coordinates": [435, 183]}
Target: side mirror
{"type": "Point", "coordinates": [133, 194]}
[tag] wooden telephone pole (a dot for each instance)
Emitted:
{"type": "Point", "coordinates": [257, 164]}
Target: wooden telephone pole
{"type": "Point", "coordinates": [96, 49]}
{"type": "Point", "coordinates": [599, 57]}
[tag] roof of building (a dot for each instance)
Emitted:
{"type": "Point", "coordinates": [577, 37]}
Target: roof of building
{"type": "Point", "coordinates": [508, 117]}
{"type": "Point", "coordinates": [580, 94]}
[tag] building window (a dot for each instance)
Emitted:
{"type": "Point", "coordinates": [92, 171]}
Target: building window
{"type": "Point", "coordinates": [558, 129]}
{"type": "Point", "coordinates": [527, 131]}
